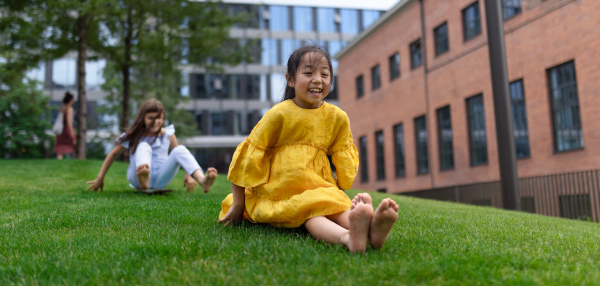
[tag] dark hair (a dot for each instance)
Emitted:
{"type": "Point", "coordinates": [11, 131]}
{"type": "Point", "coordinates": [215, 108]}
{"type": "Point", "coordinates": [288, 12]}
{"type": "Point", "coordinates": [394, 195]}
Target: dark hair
{"type": "Point", "coordinates": [138, 129]}
{"type": "Point", "coordinates": [68, 97]}
{"type": "Point", "coordinates": [295, 60]}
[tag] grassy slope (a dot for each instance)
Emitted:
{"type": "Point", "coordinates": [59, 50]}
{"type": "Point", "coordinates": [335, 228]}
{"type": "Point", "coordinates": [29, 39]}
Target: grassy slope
{"type": "Point", "coordinates": [52, 231]}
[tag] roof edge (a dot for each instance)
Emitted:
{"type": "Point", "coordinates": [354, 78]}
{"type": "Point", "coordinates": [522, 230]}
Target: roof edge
{"type": "Point", "coordinates": [380, 22]}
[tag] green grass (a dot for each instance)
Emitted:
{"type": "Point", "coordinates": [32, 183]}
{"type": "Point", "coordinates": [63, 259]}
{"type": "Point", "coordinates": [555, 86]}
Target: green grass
{"type": "Point", "coordinates": [53, 231]}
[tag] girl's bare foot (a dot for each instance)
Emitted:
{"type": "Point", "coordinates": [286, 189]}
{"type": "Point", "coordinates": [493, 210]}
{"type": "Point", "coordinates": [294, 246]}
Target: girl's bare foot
{"type": "Point", "coordinates": [384, 218]}
{"type": "Point", "coordinates": [209, 179]}
{"type": "Point", "coordinates": [361, 212]}
{"type": "Point", "coordinates": [143, 174]}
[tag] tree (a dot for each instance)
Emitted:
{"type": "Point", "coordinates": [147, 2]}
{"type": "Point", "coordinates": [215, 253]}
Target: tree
{"type": "Point", "coordinates": [22, 106]}
{"type": "Point", "coordinates": [146, 42]}
{"type": "Point", "coordinates": [38, 30]}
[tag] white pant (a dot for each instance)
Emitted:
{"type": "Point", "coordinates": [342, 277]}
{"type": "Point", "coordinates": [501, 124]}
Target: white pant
{"type": "Point", "coordinates": [161, 174]}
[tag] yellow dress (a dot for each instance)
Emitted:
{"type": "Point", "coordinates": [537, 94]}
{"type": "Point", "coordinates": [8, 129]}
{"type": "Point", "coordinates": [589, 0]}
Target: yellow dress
{"type": "Point", "coordinates": [284, 169]}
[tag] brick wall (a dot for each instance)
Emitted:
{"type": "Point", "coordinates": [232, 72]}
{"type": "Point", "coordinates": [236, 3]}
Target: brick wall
{"type": "Point", "coordinates": [545, 34]}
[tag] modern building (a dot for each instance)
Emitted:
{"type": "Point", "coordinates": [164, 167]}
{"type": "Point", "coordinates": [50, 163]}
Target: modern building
{"type": "Point", "coordinates": [226, 106]}
{"type": "Point", "coordinates": [417, 88]}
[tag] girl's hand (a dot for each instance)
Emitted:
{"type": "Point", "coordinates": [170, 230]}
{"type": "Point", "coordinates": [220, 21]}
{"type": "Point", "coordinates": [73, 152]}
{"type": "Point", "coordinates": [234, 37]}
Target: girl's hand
{"type": "Point", "coordinates": [234, 216]}
{"type": "Point", "coordinates": [189, 183]}
{"type": "Point", "coordinates": [96, 184]}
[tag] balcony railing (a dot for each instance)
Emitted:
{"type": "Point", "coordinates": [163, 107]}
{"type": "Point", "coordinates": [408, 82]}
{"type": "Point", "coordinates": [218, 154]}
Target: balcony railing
{"type": "Point", "coordinates": [573, 195]}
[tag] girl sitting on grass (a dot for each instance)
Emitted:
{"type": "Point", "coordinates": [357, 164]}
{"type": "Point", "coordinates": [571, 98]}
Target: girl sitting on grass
{"type": "Point", "coordinates": [281, 175]}
{"type": "Point", "coordinates": [151, 166]}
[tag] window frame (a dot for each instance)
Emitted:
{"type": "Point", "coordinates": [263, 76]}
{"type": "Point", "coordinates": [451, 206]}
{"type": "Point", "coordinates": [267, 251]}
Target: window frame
{"type": "Point", "coordinates": [394, 65]}
{"type": "Point", "coordinates": [363, 159]}
{"type": "Point", "coordinates": [553, 114]}
{"type": "Point", "coordinates": [360, 86]}
{"type": "Point", "coordinates": [505, 8]}
{"type": "Point", "coordinates": [442, 123]}
{"type": "Point", "coordinates": [375, 77]}
{"type": "Point", "coordinates": [380, 155]}
{"type": "Point", "coordinates": [421, 147]}
{"type": "Point", "coordinates": [415, 51]}
{"type": "Point", "coordinates": [470, 131]}
{"type": "Point", "coordinates": [476, 21]}
{"type": "Point", "coordinates": [518, 104]}
{"type": "Point", "coordinates": [399, 155]}
{"type": "Point", "coordinates": [441, 41]}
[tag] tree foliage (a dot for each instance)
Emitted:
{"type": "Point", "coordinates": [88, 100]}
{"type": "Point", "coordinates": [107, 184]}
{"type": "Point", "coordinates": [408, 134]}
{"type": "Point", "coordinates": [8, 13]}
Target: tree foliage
{"type": "Point", "coordinates": [22, 110]}
{"type": "Point", "coordinates": [148, 42]}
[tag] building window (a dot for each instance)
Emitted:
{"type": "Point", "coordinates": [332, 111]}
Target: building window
{"type": "Point", "coordinates": [415, 54]}
{"type": "Point", "coordinates": [379, 155]}
{"type": "Point", "coordinates": [279, 19]}
{"type": "Point", "coordinates": [471, 21]}
{"type": "Point", "coordinates": [394, 62]}
{"type": "Point", "coordinates": [287, 48]}
{"type": "Point", "coordinates": [421, 144]}
{"type": "Point", "coordinates": [360, 87]}
{"type": "Point", "coordinates": [364, 168]}
{"type": "Point", "coordinates": [326, 20]}
{"type": "Point", "coordinates": [566, 119]}
{"type": "Point", "coordinates": [440, 35]}
{"type": "Point", "coordinates": [445, 138]}
{"type": "Point", "coordinates": [303, 19]}
{"type": "Point", "coordinates": [219, 123]}
{"type": "Point", "coordinates": [349, 21]}
{"type": "Point", "coordinates": [511, 8]}
{"type": "Point", "coordinates": [519, 119]}
{"type": "Point", "coordinates": [477, 133]}
{"type": "Point", "coordinates": [64, 72]}
{"type": "Point", "coordinates": [269, 52]}
{"type": "Point", "coordinates": [376, 77]}
{"type": "Point", "coordinates": [399, 151]}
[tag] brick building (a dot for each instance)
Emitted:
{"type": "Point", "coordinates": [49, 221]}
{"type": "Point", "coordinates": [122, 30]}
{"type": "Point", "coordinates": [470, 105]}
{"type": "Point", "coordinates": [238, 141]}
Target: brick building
{"type": "Point", "coordinates": [416, 86]}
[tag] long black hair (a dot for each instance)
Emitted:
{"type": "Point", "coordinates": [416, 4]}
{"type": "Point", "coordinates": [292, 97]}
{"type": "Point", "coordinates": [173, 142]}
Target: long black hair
{"type": "Point", "coordinates": [296, 59]}
{"type": "Point", "coordinates": [68, 97]}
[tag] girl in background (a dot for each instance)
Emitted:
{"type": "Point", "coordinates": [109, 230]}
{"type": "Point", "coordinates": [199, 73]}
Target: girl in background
{"type": "Point", "coordinates": [151, 166]}
{"type": "Point", "coordinates": [65, 142]}
{"type": "Point", "coordinates": [281, 175]}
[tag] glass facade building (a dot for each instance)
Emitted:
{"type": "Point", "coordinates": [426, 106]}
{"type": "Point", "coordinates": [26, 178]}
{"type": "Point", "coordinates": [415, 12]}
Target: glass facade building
{"type": "Point", "coordinates": [227, 105]}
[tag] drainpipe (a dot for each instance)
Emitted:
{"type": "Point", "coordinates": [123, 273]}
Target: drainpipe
{"type": "Point", "coordinates": [426, 89]}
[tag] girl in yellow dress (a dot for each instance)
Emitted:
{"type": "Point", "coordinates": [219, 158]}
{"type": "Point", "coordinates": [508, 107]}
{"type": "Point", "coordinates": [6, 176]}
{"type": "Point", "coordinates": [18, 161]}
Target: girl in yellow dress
{"type": "Point", "coordinates": [281, 175]}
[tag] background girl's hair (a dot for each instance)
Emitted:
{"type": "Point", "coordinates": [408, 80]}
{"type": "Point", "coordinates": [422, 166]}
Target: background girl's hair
{"type": "Point", "coordinates": [68, 97]}
{"type": "Point", "coordinates": [295, 60]}
{"type": "Point", "coordinates": [138, 129]}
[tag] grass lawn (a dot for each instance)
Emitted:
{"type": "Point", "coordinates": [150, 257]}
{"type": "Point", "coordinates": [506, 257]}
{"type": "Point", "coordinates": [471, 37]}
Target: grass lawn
{"type": "Point", "coordinates": [53, 231]}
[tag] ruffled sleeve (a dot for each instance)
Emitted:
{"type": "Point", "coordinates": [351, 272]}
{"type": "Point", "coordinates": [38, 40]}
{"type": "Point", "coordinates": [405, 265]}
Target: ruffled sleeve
{"type": "Point", "coordinates": [251, 162]}
{"type": "Point", "coordinates": [345, 156]}
{"type": "Point", "coordinates": [169, 131]}
{"type": "Point", "coordinates": [125, 144]}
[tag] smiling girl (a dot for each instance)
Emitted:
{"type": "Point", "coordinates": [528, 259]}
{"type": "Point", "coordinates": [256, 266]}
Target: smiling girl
{"type": "Point", "coordinates": [151, 166]}
{"type": "Point", "coordinates": [281, 174]}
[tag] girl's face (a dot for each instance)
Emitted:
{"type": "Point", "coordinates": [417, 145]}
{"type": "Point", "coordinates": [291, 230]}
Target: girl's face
{"type": "Point", "coordinates": [311, 82]}
{"type": "Point", "coordinates": [157, 118]}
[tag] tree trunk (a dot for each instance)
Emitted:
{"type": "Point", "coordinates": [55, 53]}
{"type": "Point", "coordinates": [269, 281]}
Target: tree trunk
{"type": "Point", "coordinates": [125, 72]}
{"type": "Point", "coordinates": [81, 93]}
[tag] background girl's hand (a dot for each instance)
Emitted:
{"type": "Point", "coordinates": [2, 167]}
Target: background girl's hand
{"type": "Point", "coordinates": [189, 183]}
{"type": "Point", "coordinates": [234, 216]}
{"type": "Point", "coordinates": [96, 184]}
